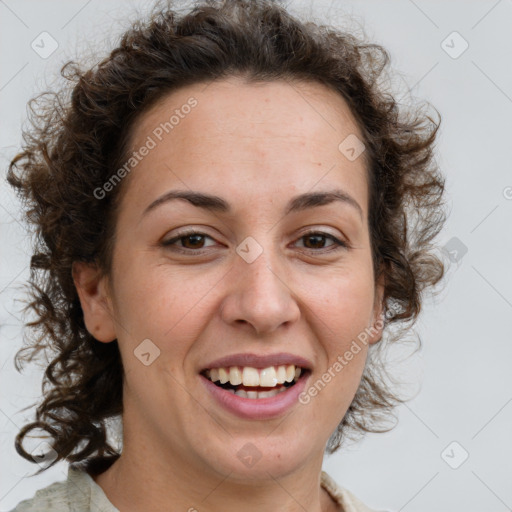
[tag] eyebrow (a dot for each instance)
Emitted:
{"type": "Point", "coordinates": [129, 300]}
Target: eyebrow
{"type": "Point", "coordinates": [296, 204]}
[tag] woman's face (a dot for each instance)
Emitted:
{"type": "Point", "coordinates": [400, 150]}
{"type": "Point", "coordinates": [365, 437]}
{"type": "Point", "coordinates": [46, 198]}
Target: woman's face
{"type": "Point", "coordinates": [263, 285]}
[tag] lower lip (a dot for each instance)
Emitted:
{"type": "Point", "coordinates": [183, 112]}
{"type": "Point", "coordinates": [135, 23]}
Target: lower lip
{"type": "Point", "coordinates": [257, 408]}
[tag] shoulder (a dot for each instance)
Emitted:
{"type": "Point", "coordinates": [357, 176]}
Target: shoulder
{"type": "Point", "coordinates": [343, 497]}
{"type": "Point", "coordinates": [54, 498]}
{"type": "Point", "coordinates": [79, 493]}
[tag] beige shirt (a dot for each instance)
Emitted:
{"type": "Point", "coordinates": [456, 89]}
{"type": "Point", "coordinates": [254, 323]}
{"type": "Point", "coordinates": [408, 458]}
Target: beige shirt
{"type": "Point", "coordinates": [80, 493]}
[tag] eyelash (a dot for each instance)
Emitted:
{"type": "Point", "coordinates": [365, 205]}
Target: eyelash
{"type": "Point", "coordinates": [338, 244]}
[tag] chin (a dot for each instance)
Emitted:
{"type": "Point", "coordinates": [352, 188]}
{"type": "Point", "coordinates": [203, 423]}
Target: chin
{"type": "Point", "coordinates": [253, 459]}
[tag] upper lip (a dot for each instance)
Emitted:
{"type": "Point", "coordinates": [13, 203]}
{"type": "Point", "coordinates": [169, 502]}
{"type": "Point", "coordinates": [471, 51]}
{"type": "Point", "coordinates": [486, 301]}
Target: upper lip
{"type": "Point", "coordinates": [259, 361]}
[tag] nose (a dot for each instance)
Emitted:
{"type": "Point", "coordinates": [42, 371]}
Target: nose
{"type": "Point", "coordinates": [259, 297]}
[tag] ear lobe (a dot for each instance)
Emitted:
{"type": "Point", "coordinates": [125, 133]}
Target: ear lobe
{"type": "Point", "coordinates": [92, 289]}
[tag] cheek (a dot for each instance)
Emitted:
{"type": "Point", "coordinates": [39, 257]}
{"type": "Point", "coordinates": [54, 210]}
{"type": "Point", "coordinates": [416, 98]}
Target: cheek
{"type": "Point", "coordinates": [344, 300]}
{"type": "Point", "coordinates": [167, 306]}
{"type": "Point", "coordinates": [342, 320]}
{"type": "Point", "coordinates": [342, 315]}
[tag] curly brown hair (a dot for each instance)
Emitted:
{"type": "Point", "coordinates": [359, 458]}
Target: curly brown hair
{"type": "Point", "coordinates": [79, 136]}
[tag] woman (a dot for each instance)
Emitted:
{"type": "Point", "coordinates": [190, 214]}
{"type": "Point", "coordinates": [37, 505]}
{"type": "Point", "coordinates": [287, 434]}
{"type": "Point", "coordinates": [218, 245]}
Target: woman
{"type": "Point", "coordinates": [223, 209]}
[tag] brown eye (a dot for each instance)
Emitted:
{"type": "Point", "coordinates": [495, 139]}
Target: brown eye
{"type": "Point", "coordinates": [316, 241]}
{"type": "Point", "coordinates": [188, 242]}
{"type": "Point", "coordinates": [192, 241]}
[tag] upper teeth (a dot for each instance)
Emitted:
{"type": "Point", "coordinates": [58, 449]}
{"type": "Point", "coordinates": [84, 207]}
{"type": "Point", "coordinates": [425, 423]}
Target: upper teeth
{"type": "Point", "coordinates": [249, 376]}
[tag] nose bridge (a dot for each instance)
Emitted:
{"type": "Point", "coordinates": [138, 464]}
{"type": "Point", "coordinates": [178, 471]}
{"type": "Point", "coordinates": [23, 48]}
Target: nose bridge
{"type": "Point", "coordinates": [260, 275]}
{"type": "Point", "coordinates": [259, 295]}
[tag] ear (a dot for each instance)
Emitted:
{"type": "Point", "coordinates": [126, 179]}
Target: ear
{"type": "Point", "coordinates": [95, 300]}
{"type": "Point", "coordinates": [375, 330]}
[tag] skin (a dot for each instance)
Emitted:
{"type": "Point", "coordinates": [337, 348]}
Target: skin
{"type": "Point", "coordinates": [256, 146]}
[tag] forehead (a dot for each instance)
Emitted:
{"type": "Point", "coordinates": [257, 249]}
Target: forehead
{"type": "Point", "coordinates": [280, 108]}
{"type": "Point", "coordinates": [280, 134]}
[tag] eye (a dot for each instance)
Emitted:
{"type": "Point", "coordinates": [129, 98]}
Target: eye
{"type": "Point", "coordinates": [191, 241]}
{"type": "Point", "coordinates": [315, 241]}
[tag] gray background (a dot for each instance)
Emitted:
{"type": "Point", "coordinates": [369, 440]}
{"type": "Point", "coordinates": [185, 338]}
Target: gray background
{"type": "Point", "coordinates": [462, 376]}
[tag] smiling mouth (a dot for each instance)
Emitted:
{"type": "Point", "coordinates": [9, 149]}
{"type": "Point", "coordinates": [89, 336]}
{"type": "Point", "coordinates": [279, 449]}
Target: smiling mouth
{"type": "Point", "coordinates": [254, 383]}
